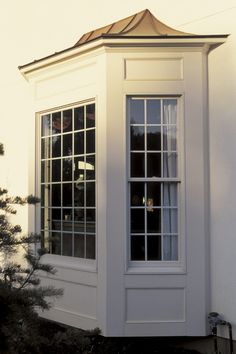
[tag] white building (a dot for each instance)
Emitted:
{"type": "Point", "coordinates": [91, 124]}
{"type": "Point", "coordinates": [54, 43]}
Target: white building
{"type": "Point", "coordinates": [127, 125]}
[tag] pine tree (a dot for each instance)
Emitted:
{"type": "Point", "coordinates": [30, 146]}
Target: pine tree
{"type": "Point", "coordinates": [20, 291]}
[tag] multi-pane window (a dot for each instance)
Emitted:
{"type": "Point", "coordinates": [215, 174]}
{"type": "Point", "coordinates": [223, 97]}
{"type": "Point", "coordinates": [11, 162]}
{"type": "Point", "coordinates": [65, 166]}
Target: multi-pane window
{"type": "Point", "coordinates": [153, 179]}
{"type": "Point", "coordinates": [68, 181]}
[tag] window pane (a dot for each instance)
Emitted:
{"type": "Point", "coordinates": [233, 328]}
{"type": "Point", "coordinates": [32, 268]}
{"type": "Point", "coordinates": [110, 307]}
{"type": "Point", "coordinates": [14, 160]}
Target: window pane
{"type": "Point", "coordinates": [90, 141]}
{"type": "Point", "coordinates": [56, 170]}
{"type": "Point", "coordinates": [45, 195]}
{"type": "Point", "coordinates": [170, 194]}
{"type": "Point", "coordinates": [90, 246]}
{"type": "Point", "coordinates": [154, 221]}
{"type": "Point", "coordinates": [79, 118]}
{"type": "Point", "coordinates": [137, 196]}
{"type": "Point", "coordinates": [56, 219]}
{"type": "Point", "coordinates": [137, 220]}
{"type": "Point", "coordinates": [137, 248]}
{"type": "Point", "coordinates": [153, 112]}
{"type": "Point", "coordinates": [79, 168]}
{"type": "Point", "coordinates": [79, 194]}
{"type": "Point", "coordinates": [79, 224]}
{"type": "Point", "coordinates": [90, 194]}
{"type": "Point", "coordinates": [56, 242]}
{"type": "Point", "coordinates": [90, 116]}
{"type": "Point", "coordinates": [90, 167]}
{"type": "Point", "coordinates": [79, 143]}
{"type": "Point", "coordinates": [153, 248]}
{"type": "Point", "coordinates": [67, 120]}
{"type": "Point", "coordinates": [67, 169]}
{"type": "Point", "coordinates": [169, 138]}
{"type": "Point", "coordinates": [56, 194]}
{"type": "Point", "coordinates": [67, 194]}
{"type": "Point", "coordinates": [67, 220]}
{"type": "Point", "coordinates": [169, 164]}
{"type": "Point", "coordinates": [56, 146]}
{"type": "Point", "coordinates": [170, 248]}
{"type": "Point", "coordinates": [56, 123]}
{"type": "Point", "coordinates": [90, 220]}
{"type": "Point", "coordinates": [45, 148]}
{"type": "Point", "coordinates": [153, 194]}
{"type": "Point", "coordinates": [137, 165]}
{"type": "Point", "coordinates": [67, 144]}
{"type": "Point", "coordinates": [79, 245]}
{"type": "Point", "coordinates": [136, 111]}
{"type": "Point", "coordinates": [170, 222]}
{"type": "Point", "coordinates": [170, 111]}
{"type": "Point", "coordinates": [66, 244]}
{"type": "Point", "coordinates": [153, 165]}
{"type": "Point", "coordinates": [46, 125]}
{"type": "Point", "coordinates": [154, 138]}
{"type": "Point", "coordinates": [137, 138]}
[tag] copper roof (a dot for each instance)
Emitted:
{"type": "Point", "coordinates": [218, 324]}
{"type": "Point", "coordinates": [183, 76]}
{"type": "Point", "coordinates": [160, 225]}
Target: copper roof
{"type": "Point", "coordinates": [141, 24]}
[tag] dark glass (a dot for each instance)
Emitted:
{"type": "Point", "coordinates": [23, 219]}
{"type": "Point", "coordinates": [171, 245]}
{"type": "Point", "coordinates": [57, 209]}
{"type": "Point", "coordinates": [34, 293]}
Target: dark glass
{"type": "Point", "coordinates": [67, 194]}
{"type": "Point", "coordinates": [45, 194]}
{"type": "Point", "coordinates": [90, 141]}
{"type": "Point", "coordinates": [43, 171]}
{"type": "Point", "coordinates": [137, 248]}
{"type": "Point", "coordinates": [79, 194]}
{"type": "Point", "coordinates": [90, 220]}
{"type": "Point", "coordinates": [56, 170]}
{"type": "Point", "coordinates": [136, 111]}
{"type": "Point", "coordinates": [154, 138]}
{"type": "Point", "coordinates": [154, 165]}
{"type": "Point", "coordinates": [56, 195]}
{"type": "Point", "coordinates": [79, 143]}
{"type": "Point", "coordinates": [42, 218]}
{"type": "Point", "coordinates": [67, 219]}
{"type": "Point", "coordinates": [56, 219]}
{"type": "Point", "coordinates": [45, 148]}
{"type": "Point", "coordinates": [137, 165]}
{"type": "Point", "coordinates": [79, 168]}
{"type": "Point", "coordinates": [90, 167]}
{"type": "Point", "coordinates": [153, 248]}
{"type": "Point", "coordinates": [79, 245]}
{"type": "Point", "coordinates": [56, 123]}
{"type": "Point", "coordinates": [90, 246]}
{"type": "Point", "coordinates": [67, 120]}
{"type": "Point", "coordinates": [67, 169]}
{"type": "Point", "coordinates": [90, 116]}
{"type": "Point", "coordinates": [136, 138]}
{"type": "Point", "coordinates": [153, 194]}
{"type": "Point", "coordinates": [79, 118]}
{"type": "Point", "coordinates": [153, 220]}
{"type": "Point", "coordinates": [45, 125]}
{"type": "Point", "coordinates": [90, 194]}
{"type": "Point", "coordinates": [153, 112]}
{"type": "Point", "coordinates": [137, 220]}
{"type": "Point", "coordinates": [66, 244]}
{"type": "Point", "coordinates": [79, 222]}
{"type": "Point", "coordinates": [137, 196]}
{"type": "Point", "coordinates": [56, 146]}
{"type": "Point", "coordinates": [56, 242]}
{"type": "Point", "coordinates": [67, 144]}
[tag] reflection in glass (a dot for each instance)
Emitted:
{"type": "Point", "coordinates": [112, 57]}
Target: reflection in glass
{"type": "Point", "coordinates": [45, 148]}
{"type": "Point", "coordinates": [56, 123]}
{"type": "Point", "coordinates": [67, 144]}
{"type": "Point", "coordinates": [56, 242]}
{"type": "Point", "coordinates": [67, 194]}
{"type": "Point", "coordinates": [67, 120]}
{"type": "Point", "coordinates": [79, 168]}
{"type": "Point", "coordinates": [136, 111]}
{"type": "Point", "coordinates": [169, 138]}
{"type": "Point", "coordinates": [154, 138]}
{"type": "Point", "coordinates": [137, 220]}
{"type": "Point", "coordinates": [169, 194]}
{"type": "Point", "coordinates": [67, 218]}
{"type": "Point", "coordinates": [79, 224]}
{"type": "Point", "coordinates": [45, 194]}
{"type": "Point", "coordinates": [79, 143]}
{"type": "Point", "coordinates": [66, 244]}
{"type": "Point", "coordinates": [137, 165]}
{"type": "Point", "coordinates": [137, 248]}
{"type": "Point", "coordinates": [79, 118]}
{"type": "Point", "coordinates": [56, 170]}
{"type": "Point", "coordinates": [169, 164]}
{"type": "Point", "coordinates": [90, 246]}
{"type": "Point", "coordinates": [137, 195]}
{"type": "Point", "coordinates": [90, 116]}
{"type": "Point", "coordinates": [56, 146]}
{"type": "Point", "coordinates": [67, 169]}
{"type": "Point", "coordinates": [170, 221]}
{"type": "Point", "coordinates": [170, 249]}
{"type": "Point", "coordinates": [90, 167]}
{"type": "Point", "coordinates": [55, 219]}
{"type": "Point", "coordinates": [153, 194]}
{"type": "Point", "coordinates": [154, 221]}
{"type": "Point", "coordinates": [79, 194]}
{"type": "Point", "coordinates": [170, 111]}
{"type": "Point", "coordinates": [90, 141]}
{"type": "Point", "coordinates": [56, 195]}
{"type": "Point", "coordinates": [79, 245]}
{"type": "Point", "coordinates": [90, 220]}
{"type": "Point", "coordinates": [137, 138]}
{"type": "Point", "coordinates": [90, 194]}
{"type": "Point", "coordinates": [153, 248]}
{"type": "Point", "coordinates": [153, 165]}
{"type": "Point", "coordinates": [153, 112]}
{"type": "Point", "coordinates": [46, 125]}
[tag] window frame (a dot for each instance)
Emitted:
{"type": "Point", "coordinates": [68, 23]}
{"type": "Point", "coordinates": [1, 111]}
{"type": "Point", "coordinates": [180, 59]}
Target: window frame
{"type": "Point", "coordinates": [158, 266]}
{"type": "Point", "coordinates": [91, 262]}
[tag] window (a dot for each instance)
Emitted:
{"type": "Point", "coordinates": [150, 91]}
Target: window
{"type": "Point", "coordinates": [153, 179]}
{"type": "Point", "coordinates": [68, 217]}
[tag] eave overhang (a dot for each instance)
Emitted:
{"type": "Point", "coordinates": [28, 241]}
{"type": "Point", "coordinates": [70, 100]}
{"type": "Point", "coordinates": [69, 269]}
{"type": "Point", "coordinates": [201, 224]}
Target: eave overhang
{"type": "Point", "coordinates": [207, 42]}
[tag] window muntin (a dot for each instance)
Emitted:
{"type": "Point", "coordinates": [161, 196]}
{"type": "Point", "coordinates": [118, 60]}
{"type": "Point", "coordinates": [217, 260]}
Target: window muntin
{"type": "Point", "coordinates": [68, 202]}
{"type": "Point", "coordinates": [153, 179]}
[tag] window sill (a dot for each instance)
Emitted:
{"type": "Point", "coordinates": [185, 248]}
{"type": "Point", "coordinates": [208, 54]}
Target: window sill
{"type": "Point", "coordinates": [87, 265]}
{"type": "Point", "coordinates": [155, 268]}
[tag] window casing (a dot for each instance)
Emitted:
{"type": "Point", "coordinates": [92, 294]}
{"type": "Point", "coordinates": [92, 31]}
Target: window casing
{"type": "Point", "coordinates": [68, 188]}
{"type": "Point", "coordinates": [153, 179]}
